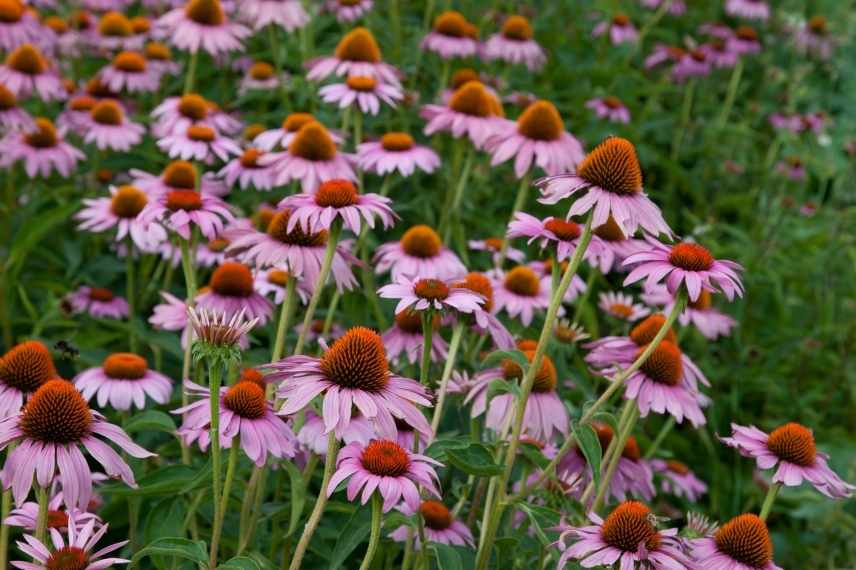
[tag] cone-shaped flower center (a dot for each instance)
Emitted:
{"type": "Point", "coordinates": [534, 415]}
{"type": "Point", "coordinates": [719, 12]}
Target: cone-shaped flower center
{"type": "Point", "coordinates": [677, 467]}
{"type": "Point", "coordinates": [473, 99]}
{"type": "Point", "coordinates": [540, 121]}
{"type": "Point", "coordinates": [628, 526]}
{"type": "Point", "coordinates": [187, 200]}
{"type": "Point", "coordinates": [644, 332]}
{"type": "Point", "coordinates": [411, 321]}
{"type": "Point", "coordinates": [613, 166]}
{"type": "Point", "coordinates": [631, 449]}
{"type": "Point", "coordinates": [68, 558]}
{"type": "Point", "coordinates": [609, 231]}
{"type": "Point", "coordinates": [115, 25]}
{"type": "Point", "coordinates": [205, 12]}
{"type": "Point", "coordinates": [107, 112]}
{"type": "Point", "coordinates": [157, 51]}
{"type": "Point", "coordinates": [278, 277]}
{"type": "Point", "coordinates": [180, 174]}
{"type": "Point", "coordinates": [361, 83]}
{"type": "Point", "coordinates": [612, 102]}
{"type": "Point", "coordinates": [664, 365]}
{"type": "Point", "coordinates": [349, 2]}
{"type": "Point", "coordinates": [480, 284]}
{"type": "Point", "coordinates": [462, 76]}
{"type": "Point", "coordinates": [564, 230]}
{"type": "Point", "coordinates": [100, 294]}
{"type": "Point", "coordinates": [313, 142]}
{"type": "Point", "coordinates": [545, 379]}
{"type": "Point", "coordinates": [247, 399]}
{"type": "Point", "coordinates": [621, 310]}
{"type": "Point", "coordinates": [11, 11]}
{"type": "Point", "coordinates": [278, 229]}
{"type": "Point", "coordinates": [218, 245]}
{"type": "Point", "coordinates": [817, 25]}
{"type": "Point", "coordinates": [747, 33]}
{"type": "Point", "coordinates": [7, 99]}
{"type": "Point", "coordinates": [254, 376]}
{"type": "Point", "coordinates": [193, 106]}
{"type": "Point", "coordinates": [493, 243]}
{"type": "Point", "coordinates": [431, 289]}
{"type": "Point", "coordinates": [27, 59]}
{"type": "Point", "coordinates": [527, 344]}
{"type": "Point", "coordinates": [690, 257]}
{"type": "Point", "coordinates": [517, 28]}
{"type": "Point", "coordinates": [421, 241]}
{"type": "Point", "coordinates": [128, 201]}
{"type": "Point", "coordinates": [385, 458]}
{"type": "Point", "coordinates": [56, 413]}
{"type": "Point", "coordinates": [201, 133]}
{"type": "Point", "coordinates": [130, 62]}
{"type": "Point", "coordinates": [396, 142]}
{"type": "Point", "coordinates": [96, 88]}
{"type": "Point", "coordinates": [44, 136]}
{"type": "Point", "coordinates": [453, 24]}
{"type": "Point", "coordinates": [358, 45]}
{"type": "Point", "coordinates": [250, 158]}
{"type": "Point", "coordinates": [252, 130]}
{"type": "Point", "coordinates": [295, 121]}
{"type": "Point", "coordinates": [703, 301]}
{"type": "Point", "coordinates": [566, 334]}
{"type": "Point", "coordinates": [604, 434]}
{"type": "Point", "coordinates": [232, 279]}
{"type": "Point", "coordinates": [698, 55]}
{"type": "Point", "coordinates": [27, 366]}
{"type": "Point", "coordinates": [436, 515]}
{"type": "Point", "coordinates": [620, 20]}
{"type": "Point", "coordinates": [55, 23]}
{"type": "Point", "coordinates": [337, 193]}
{"type": "Point", "coordinates": [745, 538]}
{"type": "Point", "coordinates": [264, 216]}
{"type": "Point", "coordinates": [357, 360]}
{"type": "Point", "coordinates": [793, 443]}
{"type": "Point", "coordinates": [261, 71]}
{"type": "Point", "coordinates": [140, 25]}
{"type": "Point", "coordinates": [80, 20]}
{"type": "Point", "coordinates": [57, 519]}
{"type": "Point", "coordinates": [125, 366]}
{"type": "Point", "coordinates": [523, 281]}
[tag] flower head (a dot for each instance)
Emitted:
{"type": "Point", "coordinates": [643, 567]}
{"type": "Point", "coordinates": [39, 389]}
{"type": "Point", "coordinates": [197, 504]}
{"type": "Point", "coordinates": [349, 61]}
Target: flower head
{"type": "Point", "coordinates": [441, 526]}
{"type": "Point", "coordinates": [452, 36]}
{"type": "Point", "coordinates": [337, 198]}
{"type": "Point", "coordinates": [23, 369]}
{"type": "Point", "coordinates": [515, 44]}
{"type": "Point", "coordinates": [74, 554]}
{"type": "Point", "coordinates": [202, 24]}
{"type": "Point", "coordinates": [123, 380]}
{"type": "Point", "coordinates": [741, 543]}
{"type": "Point", "coordinates": [425, 294]}
{"type": "Point", "coordinates": [419, 253]}
{"type": "Point", "coordinates": [396, 151]}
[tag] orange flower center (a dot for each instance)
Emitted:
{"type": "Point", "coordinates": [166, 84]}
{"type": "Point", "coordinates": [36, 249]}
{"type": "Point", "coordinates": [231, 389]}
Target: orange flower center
{"type": "Point", "coordinates": [462, 76]}
{"type": "Point", "coordinates": [613, 166]}
{"type": "Point", "coordinates": [745, 538]}
{"type": "Point", "coordinates": [664, 365]}
{"type": "Point", "coordinates": [357, 360]}
{"type": "Point", "coordinates": [205, 12]}
{"type": "Point", "coordinates": [107, 112]}
{"type": "Point", "coordinates": [96, 88]}
{"type": "Point", "coordinates": [57, 519]}
{"type": "Point", "coordinates": [261, 71]}
{"type": "Point", "coordinates": [644, 332]}
{"type": "Point", "coordinates": [313, 142]}
{"type": "Point", "coordinates": [566, 334]}
{"type": "Point", "coordinates": [55, 23]}
{"type": "Point", "coordinates": [747, 33]}
{"type": "Point", "coordinates": [80, 20]}
{"type": "Point", "coordinates": [703, 301]}
{"type": "Point", "coordinates": [337, 193]}
{"type": "Point", "coordinates": [621, 20]}
{"type": "Point", "coordinates": [56, 413]}
{"type": "Point", "coordinates": [295, 121]}
{"type": "Point", "coordinates": [564, 230]}
{"type": "Point", "coordinates": [628, 526]}
{"type": "Point", "coordinates": [631, 449]}
{"type": "Point", "coordinates": [677, 467]}
{"type": "Point", "coordinates": [27, 366]}
{"type": "Point", "coordinates": [545, 379]}
{"type": "Point", "coordinates": [278, 229]}
{"type": "Point", "coordinates": [612, 102]}
{"type": "Point", "coordinates": [7, 99]}
{"type": "Point", "coordinates": [125, 366]}
{"type": "Point", "coordinates": [128, 201]}
{"type": "Point", "coordinates": [493, 243]}
{"type": "Point", "coordinates": [480, 284]}
{"type": "Point", "coordinates": [193, 106]}
{"type": "Point", "coordinates": [421, 241]}
{"type": "Point", "coordinates": [385, 458]}
{"type": "Point", "coordinates": [11, 11]}
{"type": "Point", "coordinates": [358, 45]}
{"type": "Point", "coordinates": [411, 321]}
{"type": "Point", "coordinates": [817, 24]}
{"type": "Point", "coordinates": [474, 99]}
{"type": "Point", "coordinates": [158, 51]}
{"type": "Point", "coordinates": [27, 59]}
{"type": "Point", "coordinates": [621, 310]}
{"type": "Point", "coordinates": [100, 294]}
{"type": "Point", "coordinates": [218, 245]}
{"type": "Point", "coordinates": [517, 28]}
{"type": "Point", "coordinates": [609, 231]}
{"type": "Point", "coordinates": [361, 83]}
{"type": "Point", "coordinates": [793, 443]}
{"type": "Point", "coordinates": [452, 24]}
{"type": "Point", "coordinates": [540, 121]}
{"type": "Point", "coordinates": [690, 257]}
{"type": "Point", "coordinates": [68, 558]}
{"type": "Point", "coordinates": [431, 289]}
{"type": "Point", "coordinates": [254, 376]}
{"type": "Point", "coordinates": [436, 515]}
{"type": "Point", "coordinates": [45, 135]}
{"type": "Point", "coordinates": [115, 25]}
{"type": "Point", "coordinates": [253, 130]}
{"type": "Point", "coordinates": [523, 281]}
{"type": "Point", "coordinates": [232, 279]}
{"type": "Point", "coordinates": [187, 200]}
{"type": "Point", "coordinates": [349, 2]}
{"type": "Point", "coordinates": [201, 133]}
{"type": "Point", "coordinates": [180, 174]}
{"type": "Point", "coordinates": [130, 61]}
{"type": "Point", "coordinates": [698, 55]}
{"type": "Point", "coordinates": [140, 25]}
{"type": "Point", "coordinates": [247, 399]}
{"type": "Point", "coordinates": [278, 277]}
{"type": "Point", "coordinates": [396, 142]}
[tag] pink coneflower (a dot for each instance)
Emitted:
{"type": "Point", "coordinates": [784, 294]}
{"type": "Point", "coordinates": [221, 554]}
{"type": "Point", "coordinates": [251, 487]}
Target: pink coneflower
{"type": "Point", "coordinates": [537, 137]}
{"type": "Point", "coordinates": [627, 535]}
{"type": "Point", "coordinates": [113, 32]}
{"type": "Point", "coordinates": [121, 211]}
{"type": "Point", "coordinates": [159, 59]}
{"type": "Point", "coordinates": [610, 108]}
{"type": "Point", "coordinates": [365, 93]}
{"type": "Point", "coordinates": [719, 54]}
{"type": "Point", "coordinates": [199, 142]}
{"type": "Point", "coordinates": [175, 114]}
{"type": "Point", "coordinates": [178, 175]}
{"type": "Point", "coordinates": [744, 41]}
{"type": "Point", "coordinates": [247, 172]}
{"type": "Point", "coordinates": [55, 421]}
{"type": "Point", "coordinates": [792, 167]}
{"type": "Point", "coordinates": [352, 372]}
{"type": "Point", "coordinates": [262, 76]}
{"type": "Point", "coordinates": [182, 210]}
{"type": "Point", "coordinates": [514, 44]}
{"type": "Point", "coordinates": [13, 117]}
{"type": "Point", "coordinates": [676, 8]}
{"type": "Point", "coordinates": [813, 37]}
{"type": "Point", "coordinates": [385, 467]}
{"type": "Point", "coordinates": [77, 114]}
{"type": "Point", "coordinates": [313, 438]}
{"type": "Point", "coordinates": [110, 129]}
{"type": "Point", "coordinates": [567, 332]}
{"type": "Point", "coordinates": [23, 369]}
{"type": "Point", "coordinates": [419, 253]}
{"type": "Point", "coordinates": [357, 53]}
{"type": "Point", "coordinates": [471, 111]}
{"type": "Point", "coordinates": [288, 14]}
{"type": "Point", "coordinates": [98, 302]}
{"type": "Point", "coordinates": [337, 198]}
{"type": "Point", "coordinates": [520, 292]}
{"type": "Point", "coordinates": [349, 10]}
{"type": "Point", "coordinates": [130, 71]}
{"type": "Point", "coordinates": [202, 24]}
{"type": "Point", "coordinates": [17, 25]}
{"type": "Point", "coordinates": [677, 479]}
{"type": "Point", "coordinates": [485, 320]}
{"type": "Point", "coordinates": [212, 252]}
{"type": "Point", "coordinates": [621, 29]}
{"type": "Point", "coordinates": [791, 449]}
{"type": "Point", "coordinates": [274, 282]}
{"type": "Point", "coordinates": [285, 134]}
{"type": "Point", "coordinates": [452, 36]}
{"type": "Point", "coordinates": [621, 306]}
{"type": "Point", "coordinates": [41, 150]}
{"type": "Point", "coordinates": [424, 294]}
{"type": "Point", "coordinates": [77, 553]}
{"type": "Point", "coordinates": [740, 544]}
{"type": "Point", "coordinates": [310, 158]}
{"type": "Point", "coordinates": [441, 526]}
{"type": "Point", "coordinates": [545, 416]}
{"type": "Point", "coordinates": [662, 54]}
{"type": "Point", "coordinates": [609, 181]}
{"type": "Point", "coordinates": [494, 246]}
{"type": "Point", "coordinates": [396, 151]}
{"type": "Point", "coordinates": [686, 264]}
{"type": "Point", "coordinates": [244, 413]}
{"type": "Point", "coordinates": [26, 516]}
{"type": "Point", "coordinates": [561, 235]}
{"type": "Point", "coordinates": [26, 71]}
{"type": "Point", "coordinates": [231, 291]}
{"type": "Point", "coordinates": [693, 63]}
{"type": "Point", "coordinates": [172, 316]}
{"type": "Point", "coordinates": [749, 9]}
{"type": "Point", "coordinates": [123, 380]}
{"type": "Point", "coordinates": [710, 322]}
{"type": "Point", "coordinates": [405, 337]}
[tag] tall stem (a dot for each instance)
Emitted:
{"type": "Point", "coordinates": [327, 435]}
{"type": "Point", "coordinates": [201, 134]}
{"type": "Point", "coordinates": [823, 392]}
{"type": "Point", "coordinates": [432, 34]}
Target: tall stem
{"type": "Point", "coordinates": [332, 240]}
{"type": "Point", "coordinates": [284, 318]}
{"type": "Point", "coordinates": [455, 198]}
{"type": "Point", "coordinates": [769, 500]}
{"type": "Point", "coordinates": [129, 293]}
{"type": "Point", "coordinates": [190, 286]}
{"type": "Point", "coordinates": [191, 72]}
{"type": "Point", "coordinates": [374, 538]}
{"type": "Point", "coordinates": [4, 528]}
{"type": "Point", "coordinates": [686, 110]}
{"type": "Point", "coordinates": [320, 502]}
{"type": "Point", "coordinates": [215, 373]}
{"type": "Point", "coordinates": [661, 435]}
{"type": "Point", "coordinates": [42, 516]}
{"type": "Point", "coordinates": [519, 203]}
{"type": "Point", "coordinates": [619, 441]}
{"type": "Point", "coordinates": [427, 339]}
{"type": "Point", "coordinates": [331, 313]}
{"type": "Point", "coordinates": [220, 508]}
{"type": "Point", "coordinates": [454, 344]}
{"type": "Point", "coordinates": [736, 74]}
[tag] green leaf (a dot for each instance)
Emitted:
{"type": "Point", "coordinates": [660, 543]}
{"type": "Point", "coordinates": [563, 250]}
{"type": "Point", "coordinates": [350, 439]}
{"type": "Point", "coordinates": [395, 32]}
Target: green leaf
{"type": "Point", "coordinates": [240, 563]}
{"type": "Point", "coordinates": [502, 386]}
{"type": "Point", "coordinates": [533, 454]}
{"type": "Point", "coordinates": [172, 479]}
{"type": "Point", "coordinates": [498, 356]}
{"type": "Point", "coordinates": [356, 531]}
{"type": "Point", "coordinates": [298, 496]}
{"type": "Point", "coordinates": [193, 550]}
{"type": "Point", "coordinates": [608, 419]}
{"type": "Point", "coordinates": [151, 420]}
{"type": "Point", "coordinates": [29, 235]}
{"type": "Point", "coordinates": [590, 445]}
{"type": "Point", "coordinates": [440, 447]}
{"type": "Point", "coordinates": [475, 459]}
{"type": "Point", "coordinates": [447, 557]}
{"type": "Point", "coordinates": [541, 517]}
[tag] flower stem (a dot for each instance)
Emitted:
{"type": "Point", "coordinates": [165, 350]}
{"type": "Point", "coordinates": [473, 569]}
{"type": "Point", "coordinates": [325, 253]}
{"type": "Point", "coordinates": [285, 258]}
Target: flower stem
{"type": "Point", "coordinates": [191, 72]}
{"type": "Point", "coordinates": [129, 293]}
{"type": "Point", "coordinates": [215, 372]}
{"type": "Point", "coordinates": [284, 318]}
{"type": "Point", "coordinates": [220, 510]}
{"type": "Point", "coordinates": [686, 110]}
{"type": "Point", "coordinates": [331, 312]}
{"type": "Point", "coordinates": [332, 240]}
{"type": "Point", "coordinates": [454, 344]}
{"type": "Point", "coordinates": [661, 435]}
{"type": "Point", "coordinates": [457, 195]}
{"type": "Point", "coordinates": [4, 528]}
{"type": "Point", "coordinates": [519, 203]}
{"type": "Point", "coordinates": [733, 84]}
{"type": "Point", "coordinates": [632, 414]}
{"type": "Point", "coordinates": [42, 517]}
{"type": "Point", "coordinates": [374, 538]}
{"type": "Point", "coordinates": [427, 339]}
{"type": "Point", "coordinates": [190, 285]}
{"type": "Point", "coordinates": [320, 502]}
{"type": "Point", "coordinates": [769, 500]}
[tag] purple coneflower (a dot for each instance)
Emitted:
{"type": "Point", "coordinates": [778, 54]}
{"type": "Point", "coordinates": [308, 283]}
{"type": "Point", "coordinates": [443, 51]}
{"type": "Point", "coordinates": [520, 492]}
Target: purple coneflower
{"type": "Point", "coordinates": [749, 9]}
{"type": "Point", "coordinates": [13, 117]}
{"type": "Point", "coordinates": [620, 28]}
{"type": "Point", "coordinates": [337, 198]}
{"type": "Point", "coordinates": [41, 150]}
{"type": "Point", "coordinates": [792, 167]}
{"type": "Point", "coordinates": [423, 294]}
{"type": "Point", "coordinates": [621, 306]}
{"type": "Point", "coordinates": [130, 71]}
{"type": "Point", "coordinates": [231, 291]}
{"type": "Point", "coordinates": [364, 93]}
{"type": "Point", "coordinates": [98, 302]}
{"type": "Point", "coordinates": [711, 322]}
{"type": "Point", "coordinates": [419, 253]}
{"type": "Point", "coordinates": [813, 37]}
{"type": "Point", "coordinates": [110, 129]}
{"type": "Point", "coordinates": [493, 245]}
{"type": "Point", "coordinates": [743, 543]}
{"type": "Point", "coordinates": [406, 337]}
{"type": "Point", "coordinates": [744, 41]}
{"type": "Point", "coordinates": [610, 108]}
{"type": "Point", "coordinates": [182, 210]}
{"type": "Point", "coordinates": [26, 71]}
{"type": "Point", "coordinates": [159, 59]}
{"type": "Point", "coordinates": [17, 25]}
{"type": "Point", "coordinates": [247, 172]}
{"type": "Point", "coordinates": [676, 7]}
{"type": "Point", "coordinates": [311, 158]}
{"type": "Point", "coordinates": [356, 54]}
{"type": "Point", "coordinates": [26, 516]}
{"type": "Point", "coordinates": [396, 151]}
{"type": "Point", "coordinates": [452, 36]}
{"type": "Point", "coordinates": [287, 14]}
{"type": "Point", "coordinates": [121, 211]}
{"type": "Point", "coordinates": [275, 281]}
{"type": "Point", "coordinates": [693, 63]}
{"type": "Point", "coordinates": [349, 10]}
{"type": "Point", "coordinates": [441, 526]}
{"type": "Point", "coordinates": [202, 24]}
{"type": "Point", "coordinates": [313, 438]}
{"type": "Point", "coordinates": [23, 369]}
{"type": "Point", "coordinates": [283, 136]}
{"type": "Point", "coordinates": [178, 175]}
{"type": "Point", "coordinates": [514, 44]}
{"type": "Point", "coordinates": [77, 553]}
{"type": "Point", "coordinates": [471, 111]}
{"type": "Point", "coordinates": [123, 380]}
{"type": "Point", "coordinates": [520, 292]}
{"type": "Point", "coordinates": [677, 479]}
{"type": "Point", "coordinates": [561, 235]}
{"type": "Point", "coordinates": [199, 142]}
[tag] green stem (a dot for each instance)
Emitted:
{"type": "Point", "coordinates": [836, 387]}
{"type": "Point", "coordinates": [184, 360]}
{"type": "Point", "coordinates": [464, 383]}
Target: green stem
{"type": "Point", "coordinates": [374, 538]}
{"type": "Point", "coordinates": [454, 344]}
{"type": "Point", "coordinates": [129, 293]}
{"type": "Point", "coordinates": [190, 284]}
{"type": "Point", "coordinates": [686, 109]}
{"type": "Point", "coordinates": [220, 511]}
{"type": "Point", "coordinates": [586, 294]}
{"type": "Point", "coordinates": [332, 240]}
{"type": "Point", "coordinates": [454, 203]}
{"type": "Point", "coordinates": [245, 530]}
{"type": "Point", "coordinates": [736, 74]}
{"type": "Point", "coordinates": [42, 517]}
{"type": "Point", "coordinates": [331, 312]}
{"type": "Point", "coordinates": [4, 528]}
{"type": "Point", "coordinates": [215, 372]}
{"type": "Point", "coordinates": [427, 339]}
{"type": "Point", "coordinates": [769, 500]}
{"type": "Point", "coordinates": [620, 441]}
{"type": "Point", "coordinates": [191, 72]}
{"type": "Point", "coordinates": [284, 318]}
{"type": "Point", "coordinates": [519, 203]}
{"type": "Point", "coordinates": [661, 435]}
